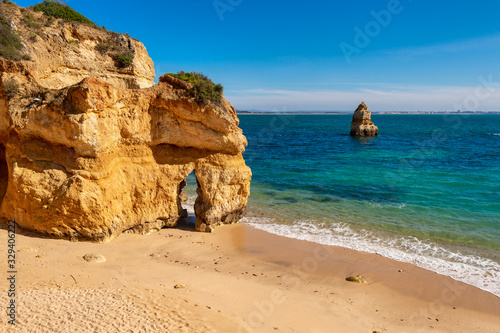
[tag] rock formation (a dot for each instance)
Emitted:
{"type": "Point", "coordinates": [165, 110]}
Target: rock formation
{"type": "Point", "coordinates": [89, 150]}
{"type": "Point", "coordinates": [361, 124]}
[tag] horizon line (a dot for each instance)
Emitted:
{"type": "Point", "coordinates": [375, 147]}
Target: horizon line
{"type": "Point", "coordinates": [351, 111]}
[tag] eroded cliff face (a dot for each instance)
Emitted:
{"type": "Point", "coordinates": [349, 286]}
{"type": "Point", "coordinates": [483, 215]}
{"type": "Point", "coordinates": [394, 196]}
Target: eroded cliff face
{"type": "Point", "coordinates": [84, 156]}
{"type": "Point", "coordinates": [361, 124]}
{"type": "Point", "coordinates": [65, 53]}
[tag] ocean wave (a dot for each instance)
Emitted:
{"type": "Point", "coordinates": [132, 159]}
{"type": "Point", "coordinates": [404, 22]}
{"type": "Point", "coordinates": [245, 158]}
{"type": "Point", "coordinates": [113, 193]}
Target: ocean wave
{"type": "Point", "coordinates": [386, 205]}
{"type": "Point", "coordinates": [480, 272]}
{"type": "Point", "coordinates": [189, 204]}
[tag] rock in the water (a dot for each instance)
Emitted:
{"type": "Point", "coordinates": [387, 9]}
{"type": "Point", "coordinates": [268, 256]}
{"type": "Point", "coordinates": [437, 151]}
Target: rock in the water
{"type": "Point", "coordinates": [361, 124]}
{"type": "Point", "coordinates": [93, 257]}
{"type": "Point", "coordinates": [85, 154]}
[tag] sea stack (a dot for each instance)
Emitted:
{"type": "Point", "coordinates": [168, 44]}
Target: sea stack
{"type": "Point", "coordinates": [361, 124]}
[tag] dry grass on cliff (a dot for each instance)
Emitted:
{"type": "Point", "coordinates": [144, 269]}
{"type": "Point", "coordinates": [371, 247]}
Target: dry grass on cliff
{"type": "Point", "coordinates": [10, 43]}
{"type": "Point", "coordinates": [118, 47]}
{"type": "Point", "coordinates": [35, 23]}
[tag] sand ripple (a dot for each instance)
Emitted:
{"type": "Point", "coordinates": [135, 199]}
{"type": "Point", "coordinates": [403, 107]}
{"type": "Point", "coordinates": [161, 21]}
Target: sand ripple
{"type": "Point", "coordinates": [97, 310]}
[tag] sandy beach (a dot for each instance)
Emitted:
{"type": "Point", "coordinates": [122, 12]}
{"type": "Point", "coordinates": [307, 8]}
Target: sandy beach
{"type": "Point", "coordinates": [237, 279]}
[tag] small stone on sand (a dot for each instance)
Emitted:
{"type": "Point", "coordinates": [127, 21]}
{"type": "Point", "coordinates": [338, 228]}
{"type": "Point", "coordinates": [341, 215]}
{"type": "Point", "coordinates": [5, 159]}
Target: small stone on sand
{"type": "Point", "coordinates": [356, 279]}
{"type": "Point", "coordinates": [93, 257]}
{"type": "Point", "coordinates": [28, 249]}
{"type": "Point", "coordinates": [40, 255]}
{"type": "Point", "coordinates": [179, 286]}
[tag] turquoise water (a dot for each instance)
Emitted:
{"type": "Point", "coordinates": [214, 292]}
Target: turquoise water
{"type": "Point", "coordinates": [425, 191]}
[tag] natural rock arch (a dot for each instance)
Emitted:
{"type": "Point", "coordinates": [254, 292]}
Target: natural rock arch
{"type": "Point", "coordinates": [89, 158]}
{"type": "Point", "coordinates": [100, 160]}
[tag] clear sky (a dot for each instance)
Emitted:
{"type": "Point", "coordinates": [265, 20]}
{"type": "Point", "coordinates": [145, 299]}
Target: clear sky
{"type": "Point", "coordinates": [405, 55]}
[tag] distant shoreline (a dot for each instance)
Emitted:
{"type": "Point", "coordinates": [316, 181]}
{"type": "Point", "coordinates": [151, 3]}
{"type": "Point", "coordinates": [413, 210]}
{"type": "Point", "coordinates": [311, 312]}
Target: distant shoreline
{"type": "Point", "coordinates": [373, 112]}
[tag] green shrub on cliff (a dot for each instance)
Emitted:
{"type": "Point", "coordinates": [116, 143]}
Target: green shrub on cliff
{"type": "Point", "coordinates": [10, 43]}
{"type": "Point", "coordinates": [56, 9]}
{"type": "Point", "coordinates": [31, 21]}
{"type": "Point", "coordinates": [124, 59]}
{"type": "Point", "coordinates": [119, 47]}
{"type": "Point", "coordinates": [204, 89]}
{"type": "Point", "coordinates": [102, 48]}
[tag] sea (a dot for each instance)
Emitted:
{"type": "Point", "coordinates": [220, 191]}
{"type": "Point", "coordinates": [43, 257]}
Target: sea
{"type": "Point", "coordinates": [425, 191]}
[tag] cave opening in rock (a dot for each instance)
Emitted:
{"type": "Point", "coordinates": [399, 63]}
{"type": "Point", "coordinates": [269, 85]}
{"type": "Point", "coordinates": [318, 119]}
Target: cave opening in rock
{"type": "Point", "coordinates": [188, 196]}
{"type": "Point", "coordinates": [4, 173]}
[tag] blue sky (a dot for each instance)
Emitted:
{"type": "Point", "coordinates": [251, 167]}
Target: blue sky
{"type": "Point", "coordinates": [404, 55]}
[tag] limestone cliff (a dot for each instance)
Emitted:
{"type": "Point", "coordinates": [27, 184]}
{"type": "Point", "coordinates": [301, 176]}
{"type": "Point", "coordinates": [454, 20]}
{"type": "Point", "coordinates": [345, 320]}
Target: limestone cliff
{"type": "Point", "coordinates": [361, 124]}
{"type": "Point", "coordinates": [86, 154]}
{"type": "Point", "coordinates": [64, 53]}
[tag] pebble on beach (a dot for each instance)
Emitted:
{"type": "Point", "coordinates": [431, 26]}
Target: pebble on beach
{"type": "Point", "coordinates": [356, 279]}
{"type": "Point", "coordinates": [93, 257]}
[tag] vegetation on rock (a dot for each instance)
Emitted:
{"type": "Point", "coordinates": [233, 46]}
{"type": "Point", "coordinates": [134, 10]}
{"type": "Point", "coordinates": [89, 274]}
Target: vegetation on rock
{"type": "Point", "coordinates": [49, 21]}
{"type": "Point", "coordinates": [10, 43]}
{"type": "Point", "coordinates": [31, 21]}
{"type": "Point", "coordinates": [102, 48]}
{"type": "Point", "coordinates": [56, 9]}
{"type": "Point", "coordinates": [204, 89]}
{"type": "Point", "coordinates": [119, 47]}
{"type": "Point", "coordinates": [11, 88]}
{"type": "Point", "coordinates": [124, 59]}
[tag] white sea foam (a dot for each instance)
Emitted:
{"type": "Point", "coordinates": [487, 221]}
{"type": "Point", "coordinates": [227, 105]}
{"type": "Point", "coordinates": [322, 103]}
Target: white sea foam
{"type": "Point", "coordinates": [386, 205]}
{"type": "Point", "coordinates": [474, 270]}
{"type": "Point", "coordinates": [189, 205]}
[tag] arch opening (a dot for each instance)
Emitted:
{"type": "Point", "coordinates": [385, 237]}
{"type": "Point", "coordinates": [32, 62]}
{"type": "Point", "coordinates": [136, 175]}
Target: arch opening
{"type": "Point", "coordinates": [187, 198]}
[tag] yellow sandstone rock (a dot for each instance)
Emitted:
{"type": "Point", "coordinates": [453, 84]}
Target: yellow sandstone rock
{"type": "Point", "coordinates": [361, 124]}
{"type": "Point", "coordinates": [85, 154]}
